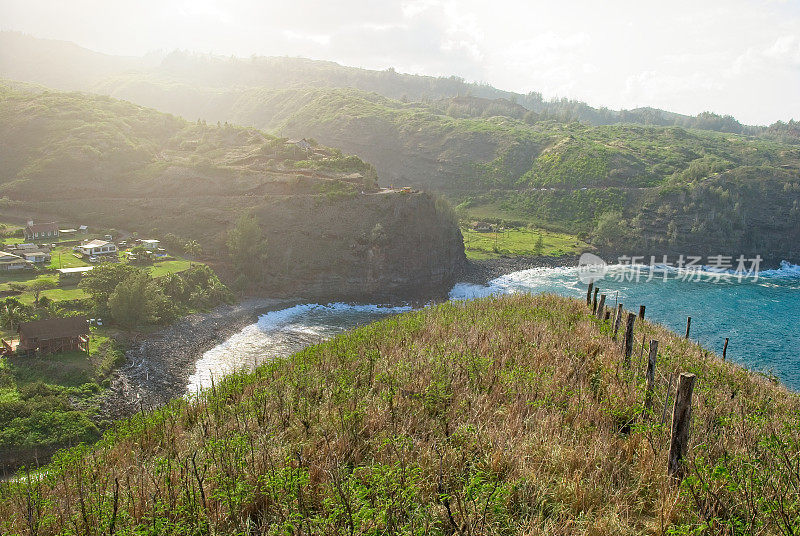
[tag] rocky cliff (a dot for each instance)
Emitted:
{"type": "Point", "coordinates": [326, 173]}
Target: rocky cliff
{"type": "Point", "coordinates": [380, 246]}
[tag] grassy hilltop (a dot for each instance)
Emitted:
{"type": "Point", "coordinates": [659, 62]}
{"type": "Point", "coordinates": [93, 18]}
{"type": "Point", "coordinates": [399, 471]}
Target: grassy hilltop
{"type": "Point", "coordinates": [507, 415]}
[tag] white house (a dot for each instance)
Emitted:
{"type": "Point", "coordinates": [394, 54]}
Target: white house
{"type": "Point", "coordinates": [97, 247]}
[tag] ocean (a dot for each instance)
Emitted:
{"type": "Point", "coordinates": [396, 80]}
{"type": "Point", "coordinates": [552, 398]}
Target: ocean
{"type": "Point", "coordinates": [760, 316]}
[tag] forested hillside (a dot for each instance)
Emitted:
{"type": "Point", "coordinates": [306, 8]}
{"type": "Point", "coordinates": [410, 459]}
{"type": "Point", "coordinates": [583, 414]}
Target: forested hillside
{"type": "Point", "coordinates": [624, 187]}
{"type": "Point", "coordinates": [65, 65]}
{"type": "Point", "coordinates": [99, 160]}
{"type": "Point", "coordinates": [655, 187]}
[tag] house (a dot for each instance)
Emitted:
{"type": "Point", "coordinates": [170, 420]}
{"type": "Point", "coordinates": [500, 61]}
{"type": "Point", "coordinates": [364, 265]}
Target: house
{"type": "Point", "coordinates": [303, 144]}
{"type": "Point", "coordinates": [30, 252]}
{"type": "Point", "coordinates": [36, 256]}
{"type": "Point", "coordinates": [93, 248]}
{"type": "Point", "coordinates": [54, 335]}
{"type": "Point", "coordinates": [150, 245]}
{"type": "Point", "coordinates": [10, 261]}
{"type": "Point", "coordinates": [40, 231]}
{"type": "Point", "coordinates": [481, 227]}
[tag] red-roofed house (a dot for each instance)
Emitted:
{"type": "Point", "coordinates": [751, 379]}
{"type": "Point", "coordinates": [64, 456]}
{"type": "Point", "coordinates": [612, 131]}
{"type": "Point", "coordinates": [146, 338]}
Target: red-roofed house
{"type": "Point", "coordinates": [41, 231]}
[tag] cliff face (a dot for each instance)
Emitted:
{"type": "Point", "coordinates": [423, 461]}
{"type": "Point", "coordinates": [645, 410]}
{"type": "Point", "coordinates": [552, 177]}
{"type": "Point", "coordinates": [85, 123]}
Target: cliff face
{"type": "Point", "coordinates": [378, 246]}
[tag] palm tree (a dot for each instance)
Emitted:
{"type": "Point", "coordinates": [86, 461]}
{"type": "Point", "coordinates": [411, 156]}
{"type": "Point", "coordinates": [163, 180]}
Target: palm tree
{"type": "Point", "coordinates": [172, 285]}
{"type": "Point", "coordinates": [11, 313]}
{"type": "Point", "coordinates": [192, 248]}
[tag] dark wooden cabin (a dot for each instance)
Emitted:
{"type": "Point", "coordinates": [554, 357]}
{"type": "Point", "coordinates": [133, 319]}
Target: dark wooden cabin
{"type": "Point", "coordinates": [54, 335]}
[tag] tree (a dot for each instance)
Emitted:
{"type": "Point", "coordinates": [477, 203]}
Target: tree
{"type": "Point", "coordinates": [192, 248]}
{"type": "Point", "coordinates": [12, 312]}
{"type": "Point", "coordinates": [37, 286]}
{"type": "Point", "coordinates": [172, 286]}
{"type": "Point", "coordinates": [611, 229]}
{"type": "Point", "coordinates": [245, 244]}
{"type": "Point", "coordinates": [538, 247]}
{"type": "Point", "coordinates": [133, 300]}
{"type": "Point", "coordinates": [100, 282]}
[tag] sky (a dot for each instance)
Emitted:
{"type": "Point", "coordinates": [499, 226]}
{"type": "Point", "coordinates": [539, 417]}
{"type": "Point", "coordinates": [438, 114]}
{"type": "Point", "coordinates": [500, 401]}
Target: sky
{"type": "Point", "coordinates": [737, 57]}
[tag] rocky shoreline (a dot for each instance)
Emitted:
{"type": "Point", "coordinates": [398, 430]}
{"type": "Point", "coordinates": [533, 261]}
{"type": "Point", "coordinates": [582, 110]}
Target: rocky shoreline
{"type": "Point", "coordinates": [158, 365]}
{"type": "Point", "coordinates": [481, 272]}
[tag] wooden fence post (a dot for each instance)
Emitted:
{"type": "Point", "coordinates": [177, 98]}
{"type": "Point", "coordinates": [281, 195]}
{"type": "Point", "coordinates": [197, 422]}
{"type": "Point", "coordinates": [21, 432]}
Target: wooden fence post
{"type": "Point", "coordinates": [651, 375]}
{"type": "Point", "coordinates": [641, 312]}
{"type": "Point", "coordinates": [601, 307]}
{"type": "Point", "coordinates": [594, 300]}
{"type": "Point", "coordinates": [617, 320]}
{"type": "Point", "coordinates": [681, 418]}
{"type": "Point", "coordinates": [628, 348]}
{"type": "Point", "coordinates": [688, 325]}
{"type": "Point", "coordinates": [589, 293]}
{"type": "Point", "coordinates": [725, 349]}
{"type": "Point", "coordinates": [607, 315]}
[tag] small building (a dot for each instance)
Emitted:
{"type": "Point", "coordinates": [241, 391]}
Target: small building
{"type": "Point", "coordinates": [481, 227]}
{"type": "Point", "coordinates": [36, 256]}
{"type": "Point", "coordinates": [71, 274]}
{"type": "Point", "coordinates": [303, 144]}
{"type": "Point", "coordinates": [40, 231]}
{"type": "Point", "coordinates": [54, 335]}
{"type": "Point", "coordinates": [150, 244]}
{"type": "Point", "coordinates": [67, 233]}
{"type": "Point", "coordinates": [11, 261]}
{"type": "Point", "coordinates": [93, 248]}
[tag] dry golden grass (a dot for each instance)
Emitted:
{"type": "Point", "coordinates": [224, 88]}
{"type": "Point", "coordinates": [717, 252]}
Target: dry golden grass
{"type": "Point", "coordinates": [506, 415]}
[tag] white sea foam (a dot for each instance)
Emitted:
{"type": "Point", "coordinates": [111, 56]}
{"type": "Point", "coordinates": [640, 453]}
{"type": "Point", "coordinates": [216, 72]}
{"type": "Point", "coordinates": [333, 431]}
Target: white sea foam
{"type": "Point", "coordinates": [787, 270]}
{"type": "Point", "coordinates": [280, 331]}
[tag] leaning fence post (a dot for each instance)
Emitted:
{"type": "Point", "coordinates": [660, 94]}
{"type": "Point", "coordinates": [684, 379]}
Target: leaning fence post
{"type": "Point", "coordinates": [688, 325]}
{"type": "Point", "coordinates": [628, 349]}
{"type": "Point", "coordinates": [617, 320]}
{"type": "Point", "coordinates": [725, 349]}
{"type": "Point", "coordinates": [651, 374]}
{"type": "Point", "coordinates": [601, 307]}
{"type": "Point", "coordinates": [681, 417]}
{"type": "Point", "coordinates": [594, 300]}
{"type": "Point", "coordinates": [589, 293]}
{"type": "Point", "coordinates": [641, 312]}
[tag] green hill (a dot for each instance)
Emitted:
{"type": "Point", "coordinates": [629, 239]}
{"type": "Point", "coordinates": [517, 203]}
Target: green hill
{"type": "Point", "coordinates": [637, 182]}
{"type": "Point", "coordinates": [510, 415]}
{"type": "Point", "coordinates": [102, 161]}
{"type": "Point", "coordinates": [626, 188]}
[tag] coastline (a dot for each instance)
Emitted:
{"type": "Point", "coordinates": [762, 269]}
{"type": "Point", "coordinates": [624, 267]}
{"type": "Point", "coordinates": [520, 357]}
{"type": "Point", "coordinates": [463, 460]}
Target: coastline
{"type": "Point", "coordinates": [481, 272]}
{"type": "Point", "coordinates": [157, 366]}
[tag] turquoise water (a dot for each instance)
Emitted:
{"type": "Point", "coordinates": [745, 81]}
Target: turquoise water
{"type": "Point", "coordinates": [761, 317]}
